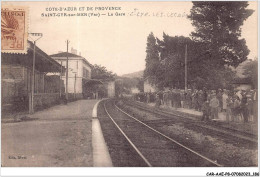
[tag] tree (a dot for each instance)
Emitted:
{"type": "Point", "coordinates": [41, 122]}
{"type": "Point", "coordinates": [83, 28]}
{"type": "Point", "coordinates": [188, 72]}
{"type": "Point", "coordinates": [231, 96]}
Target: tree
{"type": "Point", "coordinates": [172, 52]}
{"type": "Point", "coordinates": [152, 58]}
{"type": "Point", "coordinates": [251, 72]}
{"type": "Point", "coordinates": [218, 27]}
{"type": "Point", "coordinates": [201, 71]}
{"type": "Point", "coordinates": [101, 73]}
{"type": "Point", "coordinates": [140, 85]}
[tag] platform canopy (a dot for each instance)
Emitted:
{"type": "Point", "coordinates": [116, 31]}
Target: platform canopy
{"type": "Point", "coordinates": [43, 62]}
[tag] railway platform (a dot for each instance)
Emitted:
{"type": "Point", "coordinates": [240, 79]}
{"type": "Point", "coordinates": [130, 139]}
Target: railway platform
{"type": "Point", "coordinates": [101, 157]}
{"type": "Point", "coordinates": [61, 136]}
{"type": "Point", "coordinates": [250, 127]}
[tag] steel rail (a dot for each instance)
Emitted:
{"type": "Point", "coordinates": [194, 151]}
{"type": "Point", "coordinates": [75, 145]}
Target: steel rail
{"type": "Point", "coordinates": [176, 142]}
{"type": "Point", "coordinates": [224, 130]}
{"type": "Point", "coordinates": [130, 142]}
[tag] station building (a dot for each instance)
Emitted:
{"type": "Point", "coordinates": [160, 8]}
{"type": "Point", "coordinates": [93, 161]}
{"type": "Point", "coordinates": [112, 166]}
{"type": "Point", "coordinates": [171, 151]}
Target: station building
{"type": "Point", "coordinates": [79, 72]}
{"type": "Point", "coordinates": [80, 83]}
{"type": "Point", "coordinates": [110, 85]}
{"type": "Point", "coordinates": [16, 82]}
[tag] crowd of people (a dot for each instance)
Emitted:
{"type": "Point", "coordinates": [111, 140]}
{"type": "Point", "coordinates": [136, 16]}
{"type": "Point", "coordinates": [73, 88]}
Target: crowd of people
{"type": "Point", "coordinates": [238, 105]}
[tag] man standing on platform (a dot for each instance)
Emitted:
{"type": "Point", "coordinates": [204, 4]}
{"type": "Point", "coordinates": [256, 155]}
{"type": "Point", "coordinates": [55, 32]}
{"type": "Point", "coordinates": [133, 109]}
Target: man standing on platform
{"type": "Point", "coordinates": [224, 100]}
{"type": "Point", "coordinates": [214, 105]}
{"type": "Point", "coordinates": [244, 106]}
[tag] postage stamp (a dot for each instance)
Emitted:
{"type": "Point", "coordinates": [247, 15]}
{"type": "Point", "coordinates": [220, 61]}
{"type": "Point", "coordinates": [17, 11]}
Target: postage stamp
{"type": "Point", "coordinates": [14, 29]}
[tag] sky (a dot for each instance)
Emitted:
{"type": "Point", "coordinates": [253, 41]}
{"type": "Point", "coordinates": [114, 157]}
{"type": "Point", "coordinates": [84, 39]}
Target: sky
{"type": "Point", "coordinates": [117, 42]}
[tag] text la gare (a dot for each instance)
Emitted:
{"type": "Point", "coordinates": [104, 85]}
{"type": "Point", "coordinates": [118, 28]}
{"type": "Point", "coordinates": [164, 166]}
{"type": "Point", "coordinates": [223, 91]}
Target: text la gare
{"type": "Point", "coordinates": [115, 14]}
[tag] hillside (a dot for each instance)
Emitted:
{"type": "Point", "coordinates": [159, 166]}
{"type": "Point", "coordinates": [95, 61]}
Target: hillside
{"type": "Point", "coordinates": [138, 74]}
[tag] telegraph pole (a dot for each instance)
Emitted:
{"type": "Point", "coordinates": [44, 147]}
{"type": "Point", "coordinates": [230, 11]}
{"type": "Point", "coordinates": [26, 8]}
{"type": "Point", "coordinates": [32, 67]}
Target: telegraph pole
{"type": "Point", "coordinates": [33, 77]}
{"type": "Point", "coordinates": [60, 78]}
{"type": "Point", "coordinates": [35, 37]}
{"type": "Point", "coordinates": [67, 70]}
{"type": "Point", "coordinates": [186, 67]}
{"type": "Point", "coordinates": [75, 84]}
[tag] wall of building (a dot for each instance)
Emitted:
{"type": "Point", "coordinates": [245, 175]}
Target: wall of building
{"type": "Point", "coordinates": [111, 89]}
{"type": "Point", "coordinates": [16, 88]}
{"type": "Point", "coordinates": [16, 82]}
{"type": "Point", "coordinates": [86, 70]}
{"type": "Point", "coordinates": [75, 85]}
{"type": "Point", "coordinates": [76, 66]}
{"type": "Point", "coordinates": [71, 82]}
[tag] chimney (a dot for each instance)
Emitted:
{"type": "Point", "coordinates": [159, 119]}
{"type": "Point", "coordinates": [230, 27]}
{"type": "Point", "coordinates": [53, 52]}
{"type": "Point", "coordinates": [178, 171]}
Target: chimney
{"type": "Point", "coordinates": [73, 51]}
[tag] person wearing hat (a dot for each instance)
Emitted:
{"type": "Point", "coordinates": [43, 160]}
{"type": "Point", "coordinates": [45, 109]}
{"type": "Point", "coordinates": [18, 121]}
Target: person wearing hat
{"type": "Point", "coordinates": [229, 108]}
{"type": "Point", "coordinates": [205, 111]}
{"type": "Point", "coordinates": [205, 94]}
{"type": "Point", "coordinates": [194, 100]}
{"type": "Point", "coordinates": [250, 108]}
{"type": "Point", "coordinates": [224, 100]}
{"type": "Point", "coordinates": [219, 97]}
{"type": "Point", "coordinates": [188, 99]}
{"type": "Point", "coordinates": [165, 98]}
{"type": "Point", "coordinates": [238, 93]}
{"type": "Point", "coordinates": [214, 105]}
{"type": "Point", "coordinates": [243, 106]}
{"type": "Point", "coordinates": [178, 99]}
{"type": "Point", "coordinates": [174, 98]}
{"type": "Point", "coordinates": [200, 99]}
{"type": "Point", "coordinates": [236, 108]}
{"type": "Point", "coordinates": [182, 98]}
{"type": "Point", "coordinates": [255, 102]}
{"type": "Point", "coordinates": [157, 100]}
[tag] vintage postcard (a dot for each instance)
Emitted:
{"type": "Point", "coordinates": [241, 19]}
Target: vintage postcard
{"type": "Point", "coordinates": [130, 84]}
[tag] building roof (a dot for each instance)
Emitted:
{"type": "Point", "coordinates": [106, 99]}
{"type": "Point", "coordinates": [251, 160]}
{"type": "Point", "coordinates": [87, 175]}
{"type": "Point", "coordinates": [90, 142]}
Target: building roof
{"type": "Point", "coordinates": [43, 62]}
{"type": "Point", "coordinates": [67, 54]}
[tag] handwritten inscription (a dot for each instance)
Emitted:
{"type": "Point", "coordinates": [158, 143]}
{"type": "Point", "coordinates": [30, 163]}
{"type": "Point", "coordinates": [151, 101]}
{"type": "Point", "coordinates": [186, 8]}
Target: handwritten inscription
{"type": "Point", "coordinates": [138, 13]}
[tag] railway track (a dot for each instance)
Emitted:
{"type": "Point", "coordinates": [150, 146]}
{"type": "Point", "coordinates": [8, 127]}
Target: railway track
{"type": "Point", "coordinates": [213, 127]}
{"type": "Point", "coordinates": [153, 147]}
